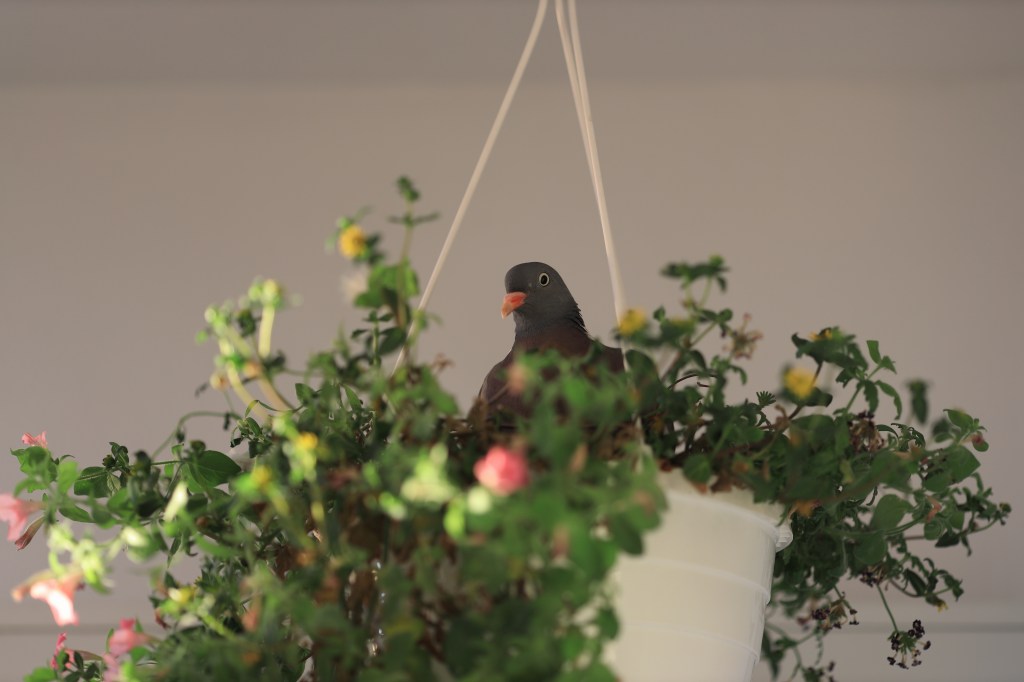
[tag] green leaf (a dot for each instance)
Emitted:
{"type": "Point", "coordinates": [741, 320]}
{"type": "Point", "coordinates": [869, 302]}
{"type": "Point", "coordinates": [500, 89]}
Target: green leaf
{"type": "Point", "coordinates": [876, 356]}
{"type": "Point", "coordinates": [933, 529]}
{"type": "Point", "coordinates": [938, 482]}
{"type": "Point", "coordinates": [67, 474]}
{"type": "Point", "coordinates": [916, 582]}
{"type": "Point", "coordinates": [391, 340]}
{"type": "Point", "coordinates": [892, 393]}
{"type": "Point", "coordinates": [871, 549]}
{"type": "Point", "coordinates": [961, 462]}
{"type": "Point", "coordinates": [961, 420]}
{"type": "Point", "coordinates": [572, 644]}
{"type": "Point", "coordinates": [607, 623]}
{"type": "Point", "coordinates": [599, 672]}
{"type": "Point", "coordinates": [585, 552]}
{"type": "Point", "coordinates": [41, 675]}
{"type": "Point", "coordinates": [697, 468]}
{"type": "Point", "coordinates": [889, 511]}
{"type": "Point", "coordinates": [686, 273]}
{"type": "Point", "coordinates": [101, 517]}
{"type": "Point", "coordinates": [919, 400]}
{"type": "Point", "coordinates": [70, 510]}
{"type": "Point", "coordinates": [36, 461]}
{"type": "Point", "coordinates": [871, 395]}
{"type": "Point", "coordinates": [304, 393]}
{"type": "Point", "coordinates": [213, 468]}
{"type": "Point", "coordinates": [92, 482]}
{"type": "Point", "coordinates": [625, 535]}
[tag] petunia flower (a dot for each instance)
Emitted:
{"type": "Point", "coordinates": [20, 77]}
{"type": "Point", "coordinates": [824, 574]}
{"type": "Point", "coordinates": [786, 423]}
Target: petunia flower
{"type": "Point", "coordinates": [113, 672]}
{"type": "Point", "coordinates": [30, 440]}
{"type": "Point", "coordinates": [16, 512]}
{"type": "Point", "coordinates": [126, 638]}
{"type": "Point", "coordinates": [61, 638]}
{"type": "Point", "coordinates": [58, 593]}
{"type": "Point", "coordinates": [29, 533]}
{"type": "Point", "coordinates": [502, 471]}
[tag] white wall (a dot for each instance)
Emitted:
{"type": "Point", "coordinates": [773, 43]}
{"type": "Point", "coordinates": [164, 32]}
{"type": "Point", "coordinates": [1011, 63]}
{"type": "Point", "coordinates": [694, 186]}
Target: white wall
{"type": "Point", "coordinates": [888, 201]}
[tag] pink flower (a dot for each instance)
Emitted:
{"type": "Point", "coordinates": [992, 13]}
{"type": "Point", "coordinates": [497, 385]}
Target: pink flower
{"type": "Point", "coordinates": [59, 593]}
{"type": "Point", "coordinates": [113, 672]}
{"type": "Point", "coordinates": [16, 513]}
{"type": "Point", "coordinates": [30, 533]}
{"type": "Point", "coordinates": [30, 440]}
{"type": "Point", "coordinates": [502, 471]}
{"type": "Point", "coordinates": [61, 638]}
{"type": "Point", "coordinates": [126, 638]}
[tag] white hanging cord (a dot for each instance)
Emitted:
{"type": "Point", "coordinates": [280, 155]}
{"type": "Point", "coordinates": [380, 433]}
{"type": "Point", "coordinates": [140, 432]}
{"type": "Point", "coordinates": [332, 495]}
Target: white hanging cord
{"type": "Point", "coordinates": [581, 96]}
{"type": "Point", "coordinates": [499, 120]}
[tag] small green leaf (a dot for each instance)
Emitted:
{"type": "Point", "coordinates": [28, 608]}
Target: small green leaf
{"type": "Point", "coordinates": [938, 482]}
{"type": "Point", "coordinates": [871, 549]}
{"type": "Point", "coordinates": [916, 582]}
{"type": "Point", "coordinates": [92, 482]}
{"type": "Point", "coordinates": [876, 356]}
{"type": "Point", "coordinates": [871, 395]}
{"type": "Point", "coordinates": [961, 420]}
{"type": "Point", "coordinates": [584, 551]}
{"type": "Point", "coordinates": [919, 400]}
{"type": "Point", "coordinates": [67, 474]}
{"type": "Point", "coordinates": [892, 393]}
{"type": "Point", "coordinates": [889, 511]}
{"type": "Point", "coordinates": [697, 468]}
{"type": "Point", "coordinates": [933, 529]}
{"type": "Point", "coordinates": [961, 462]}
{"type": "Point", "coordinates": [625, 535]}
{"type": "Point", "coordinates": [391, 340]}
{"type": "Point", "coordinates": [41, 675]}
{"type": "Point", "coordinates": [572, 645]}
{"type": "Point", "coordinates": [304, 393]}
{"type": "Point", "coordinates": [212, 468]}
{"type": "Point", "coordinates": [70, 510]}
{"type": "Point", "coordinates": [598, 672]}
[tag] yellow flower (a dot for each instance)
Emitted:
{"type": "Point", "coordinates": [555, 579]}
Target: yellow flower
{"type": "Point", "coordinates": [825, 334]}
{"type": "Point", "coordinates": [805, 507]}
{"type": "Point", "coordinates": [307, 441]}
{"type": "Point", "coordinates": [799, 381]}
{"type": "Point", "coordinates": [261, 476]}
{"type": "Point", "coordinates": [352, 242]}
{"type": "Point", "coordinates": [633, 320]}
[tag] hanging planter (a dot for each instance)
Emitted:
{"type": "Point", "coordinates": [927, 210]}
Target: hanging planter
{"type": "Point", "coordinates": [692, 606]}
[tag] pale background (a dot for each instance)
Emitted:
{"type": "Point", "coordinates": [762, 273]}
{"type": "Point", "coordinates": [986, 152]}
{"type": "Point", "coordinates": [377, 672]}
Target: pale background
{"type": "Point", "coordinates": [858, 163]}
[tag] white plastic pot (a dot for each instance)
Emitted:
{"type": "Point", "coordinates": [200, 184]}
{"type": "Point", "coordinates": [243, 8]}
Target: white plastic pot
{"type": "Point", "coordinates": [692, 606]}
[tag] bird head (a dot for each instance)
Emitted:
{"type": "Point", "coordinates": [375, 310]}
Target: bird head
{"type": "Point", "coordinates": [536, 296]}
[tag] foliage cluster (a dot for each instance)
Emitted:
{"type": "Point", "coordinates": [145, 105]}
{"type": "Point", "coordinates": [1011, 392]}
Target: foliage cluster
{"type": "Point", "coordinates": [350, 532]}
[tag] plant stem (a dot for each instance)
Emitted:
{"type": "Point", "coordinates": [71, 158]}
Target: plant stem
{"type": "Point", "coordinates": [270, 391]}
{"type": "Point", "coordinates": [266, 329]}
{"type": "Point", "coordinates": [181, 422]}
{"type": "Point", "coordinates": [403, 263]}
{"type": "Point", "coordinates": [250, 402]}
{"type": "Point", "coordinates": [857, 391]}
{"type": "Point", "coordinates": [885, 603]}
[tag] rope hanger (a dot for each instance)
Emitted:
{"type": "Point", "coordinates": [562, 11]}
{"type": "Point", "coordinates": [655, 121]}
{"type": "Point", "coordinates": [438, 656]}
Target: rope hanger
{"type": "Point", "coordinates": [568, 31]}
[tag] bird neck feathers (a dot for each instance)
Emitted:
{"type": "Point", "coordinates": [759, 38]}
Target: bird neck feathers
{"type": "Point", "coordinates": [527, 328]}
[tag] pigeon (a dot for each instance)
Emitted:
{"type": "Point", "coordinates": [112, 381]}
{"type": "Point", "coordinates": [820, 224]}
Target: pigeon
{"type": "Point", "coordinates": [546, 317]}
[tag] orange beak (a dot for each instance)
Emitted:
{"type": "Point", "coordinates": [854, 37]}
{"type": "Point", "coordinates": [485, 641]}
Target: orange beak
{"type": "Point", "coordinates": [511, 302]}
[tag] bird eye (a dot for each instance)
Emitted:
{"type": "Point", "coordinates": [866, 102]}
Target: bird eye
{"type": "Point", "coordinates": [544, 279]}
